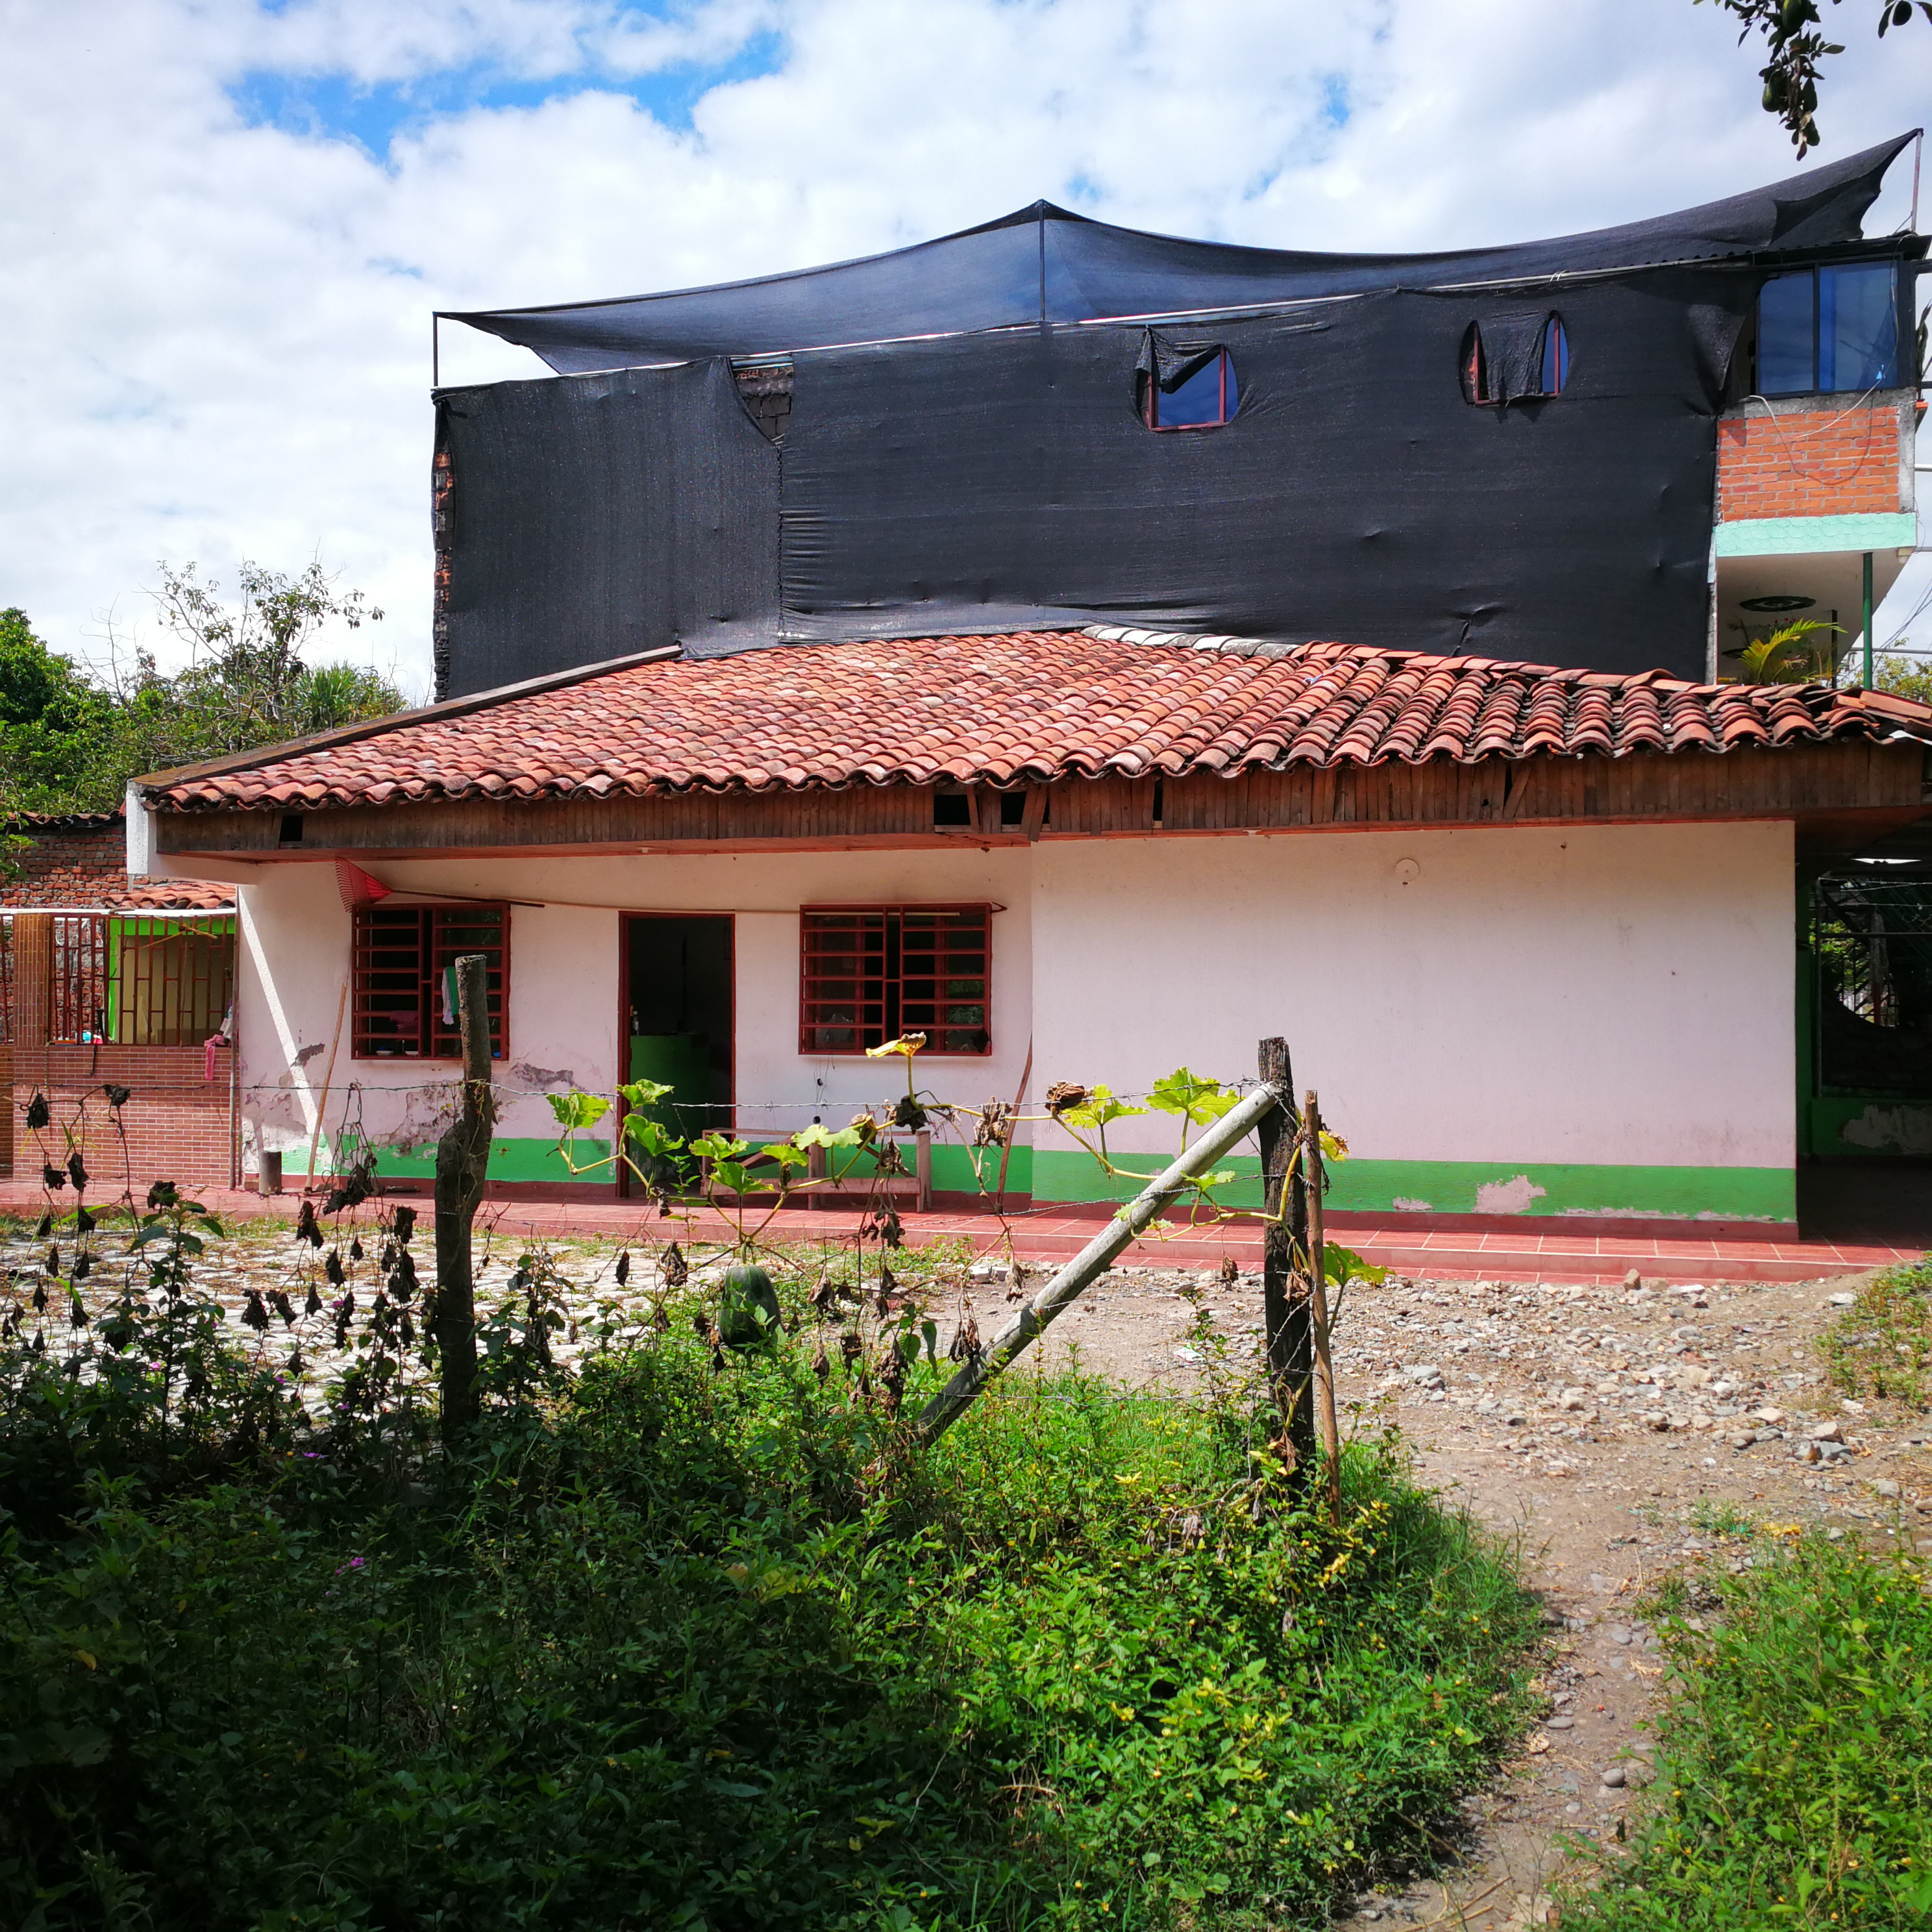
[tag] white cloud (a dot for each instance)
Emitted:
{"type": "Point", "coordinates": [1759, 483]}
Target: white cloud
{"type": "Point", "coordinates": [218, 333]}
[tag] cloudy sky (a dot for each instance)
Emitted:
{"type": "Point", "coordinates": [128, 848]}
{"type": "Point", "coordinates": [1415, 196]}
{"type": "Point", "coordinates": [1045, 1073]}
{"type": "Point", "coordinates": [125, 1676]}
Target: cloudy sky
{"type": "Point", "coordinates": [226, 222]}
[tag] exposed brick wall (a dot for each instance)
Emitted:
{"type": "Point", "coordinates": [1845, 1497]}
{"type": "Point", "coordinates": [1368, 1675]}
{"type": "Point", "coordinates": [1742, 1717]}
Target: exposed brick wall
{"type": "Point", "coordinates": [765, 390]}
{"type": "Point", "coordinates": [82, 862]}
{"type": "Point", "coordinates": [179, 1124]}
{"type": "Point", "coordinates": [78, 863]}
{"type": "Point", "coordinates": [1826, 461]}
{"type": "Point", "coordinates": [442, 508]}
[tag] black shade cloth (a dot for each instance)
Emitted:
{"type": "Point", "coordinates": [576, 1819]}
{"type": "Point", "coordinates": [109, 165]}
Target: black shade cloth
{"type": "Point", "coordinates": [591, 518]}
{"type": "Point", "coordinates": [1513, 354]}
{"type": "Point", "coordinates": [970, 476]}
{"type": "Point", "coordinates": [1171, 362]}
{"type": "Point", "coordinates": [1003, 482]}
{"type": "Point", "coordinates": [1043, 264]}
{"type": "Point", "coordinates": [1008, 481]}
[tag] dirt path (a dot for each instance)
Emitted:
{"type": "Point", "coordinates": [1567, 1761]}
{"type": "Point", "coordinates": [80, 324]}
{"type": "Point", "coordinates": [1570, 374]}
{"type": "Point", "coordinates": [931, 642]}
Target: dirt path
{"type": "Point", "coordinates": [1609, 1430]}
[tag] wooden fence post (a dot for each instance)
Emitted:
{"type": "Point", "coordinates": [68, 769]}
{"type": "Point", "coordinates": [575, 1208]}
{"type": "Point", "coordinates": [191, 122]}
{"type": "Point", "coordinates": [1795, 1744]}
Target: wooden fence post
{"type": "Point", "coordinates": [462, 1159]}
{"type": "Point", "coordinates": [1286, 1319]}
{"type": "Point", "coordinates": [1318, 1299]}
{"type": "Point", "coordinates": [952, 1401]}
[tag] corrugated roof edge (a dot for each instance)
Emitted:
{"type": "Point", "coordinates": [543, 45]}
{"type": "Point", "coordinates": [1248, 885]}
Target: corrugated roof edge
{"type": "Point", "coordinates": [374, 728]}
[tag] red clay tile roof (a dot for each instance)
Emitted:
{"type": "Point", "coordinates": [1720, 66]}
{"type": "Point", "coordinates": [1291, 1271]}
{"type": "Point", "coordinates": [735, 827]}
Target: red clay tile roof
{"type": "Point", "coordinates": [1029, 705]}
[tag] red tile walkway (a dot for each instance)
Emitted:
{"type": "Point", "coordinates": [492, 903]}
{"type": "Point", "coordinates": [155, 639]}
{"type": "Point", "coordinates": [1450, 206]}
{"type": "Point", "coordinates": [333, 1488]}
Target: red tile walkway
{"type": "Point", "coordinates": [1543, 1250]}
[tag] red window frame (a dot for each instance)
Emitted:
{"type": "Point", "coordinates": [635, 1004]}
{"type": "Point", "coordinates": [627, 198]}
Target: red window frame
{"type": "Point", "coordinates": [868, 974]}
{"type": "Point", "coordinates": [1152, 418]}
{"type": "Point", "coordinates": [397, 956]}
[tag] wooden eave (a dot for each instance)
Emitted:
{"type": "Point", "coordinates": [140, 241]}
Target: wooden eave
{"type": "Point", "coordinates": [1841, 795]}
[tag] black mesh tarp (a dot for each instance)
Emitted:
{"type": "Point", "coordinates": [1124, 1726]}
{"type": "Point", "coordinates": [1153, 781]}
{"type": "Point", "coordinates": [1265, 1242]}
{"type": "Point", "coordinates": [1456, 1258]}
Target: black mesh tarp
{"type": "Point", "coordinates": [1002, 482]}
{"type": "Point", "coordinates": [591, 518]}
{"type": "Point", "coordinates": [976, 477]}
{"type": "Point", "coordinates": [1045, 263]}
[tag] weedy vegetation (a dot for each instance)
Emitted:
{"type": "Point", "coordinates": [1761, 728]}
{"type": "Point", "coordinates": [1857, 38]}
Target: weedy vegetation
{"type": "Point", "coordinates": [692, 1628]}
{"type": "Point", "coordinates": [1882, 1344]}
{"type": "Point", "coordinates": [690, 1638]}
{"type": "Point", "coordinates": [1794, 1765]}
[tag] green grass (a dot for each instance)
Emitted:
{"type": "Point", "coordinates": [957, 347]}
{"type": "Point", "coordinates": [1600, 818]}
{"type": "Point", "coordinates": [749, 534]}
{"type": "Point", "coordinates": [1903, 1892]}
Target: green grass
{"type": "Point", "coordinates": [711, 1646]}
{"type": "Point", "coordinates": [1794, 1765]}
{"type": "Point", "coordinates": [1882, 1344]}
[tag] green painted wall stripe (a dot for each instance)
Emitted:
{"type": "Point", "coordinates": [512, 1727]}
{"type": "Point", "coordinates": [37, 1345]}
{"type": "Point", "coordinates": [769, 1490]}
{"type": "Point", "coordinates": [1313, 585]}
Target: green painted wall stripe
{"type": "Point", "coordinates": [515, 1159]}
{"type": "Point", "coordinates": [1811, 536]}
{"type": "Point", "coordinates": [1535, 1189]}
{"type": "Point", "coordinates": [519, 1159]}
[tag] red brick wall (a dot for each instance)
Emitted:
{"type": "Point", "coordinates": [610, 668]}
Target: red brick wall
{"type": "Point", "coordinates": [179, 1125]}
{"type": "Point", "coordinates": [1809, 463]}
{"type": "Point", "coordinates": [82, 867]}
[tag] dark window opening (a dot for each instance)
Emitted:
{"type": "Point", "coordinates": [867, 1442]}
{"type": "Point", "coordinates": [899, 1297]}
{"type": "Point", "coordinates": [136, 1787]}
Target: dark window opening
{"type": "Point", "coordinates": [1012, 807]}
{"type": "Point", "coordinates": [403, 982]}
{"type": "Point", "coordinates": [868, 975]}
{"type": "Point", "coordinates": [1555, 356]}
{"type": "Point", "coordinates": [951, 808]}
{"type": "Point", "coordinates": [1528, 361]}
{"type": "Point", "coordinates": [1475, 368]}
{"type": "Point", "coordinates": [1160, 802]}
{"type": "Point", "coordinates": [1206, 399]}
{"type": "Point", "coordinates": [292, 828]}
{"type": "Point", "coordinates": [1828, 329]}
{"type": "Point", "coordinates": [765, 390]}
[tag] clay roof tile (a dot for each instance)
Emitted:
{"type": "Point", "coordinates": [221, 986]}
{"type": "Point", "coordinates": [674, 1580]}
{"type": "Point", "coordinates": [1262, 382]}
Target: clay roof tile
{"type": "Point", "coordinates": [995, 709]}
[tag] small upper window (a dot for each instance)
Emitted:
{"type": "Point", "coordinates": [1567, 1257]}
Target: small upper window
{"type": "Point", "coordinates": [1185, 386]}
{"type": "Point", "coordinates": [1475, 368]}
{"type": "Point", "coordinates": [1205, 399]}
{"type": "Point", "coordinates": [1829, 328]}
{"type": "Point", "coordinates": [1555, 356]}
{"type": "Point", "coordinates": [1526, 358]}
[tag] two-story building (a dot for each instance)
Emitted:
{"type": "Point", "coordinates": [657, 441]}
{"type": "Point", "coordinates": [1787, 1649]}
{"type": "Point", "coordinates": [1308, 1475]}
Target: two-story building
{"type": "Point", "coordinates": [940, 642]}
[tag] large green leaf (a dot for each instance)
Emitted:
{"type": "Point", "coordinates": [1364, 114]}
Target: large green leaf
{"type": "Point", "coordinates": [1342, 1265]}
{"type": "Point", "coordinates": [1201, 1099]}
{"type": "Point", "coordinates": [1099, 1108]}
{"type": "Point", "coordinates": [575, 1111]}
{"type": "Point", "coordinates": [652, 1136]}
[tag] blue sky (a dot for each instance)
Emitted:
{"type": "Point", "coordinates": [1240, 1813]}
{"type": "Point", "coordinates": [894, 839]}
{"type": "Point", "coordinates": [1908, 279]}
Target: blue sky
{"type": "Point", "coordinates": [227, 223]}
{"type": "Point", "coordinates": [337, 106]}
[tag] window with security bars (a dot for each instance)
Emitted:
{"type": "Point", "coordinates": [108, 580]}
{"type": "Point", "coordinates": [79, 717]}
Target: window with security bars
{"type": "Point", "coordinates": [872, 973]}
{"type": "Point", "coordinates": [403, 988]}
{"type": "Point", "coordinates": [77, 1004]}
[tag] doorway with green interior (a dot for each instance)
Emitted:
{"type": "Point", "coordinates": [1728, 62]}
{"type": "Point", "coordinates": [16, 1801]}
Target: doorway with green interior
{"type": "Point", "coordinates": [679, 1013]}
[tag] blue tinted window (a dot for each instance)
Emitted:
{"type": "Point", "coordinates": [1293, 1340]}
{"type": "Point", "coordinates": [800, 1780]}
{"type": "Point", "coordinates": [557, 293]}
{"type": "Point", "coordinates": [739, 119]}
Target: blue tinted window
{"type": "Point", "coordinates": [1555, 357]}
{"type": "Point", "coordinates": [1786, 362]}
{"type": "Point", "coordinates": [1200, 401]}
{"type": "Point", "coordinates": [1858, 327]}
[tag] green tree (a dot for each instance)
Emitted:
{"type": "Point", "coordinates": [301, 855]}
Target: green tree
{"type": "Point", "coordinates": [51, 718]}
{"type": "Point", "coordinates": [1907, 677]}
{"type": "Point", "coordinates": [1794, 38]}
{"type": "Point", "coordinates": [70, 739]}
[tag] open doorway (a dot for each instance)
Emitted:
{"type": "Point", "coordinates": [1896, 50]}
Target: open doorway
{"type": "Point", "coordinates": [678, 1016]}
